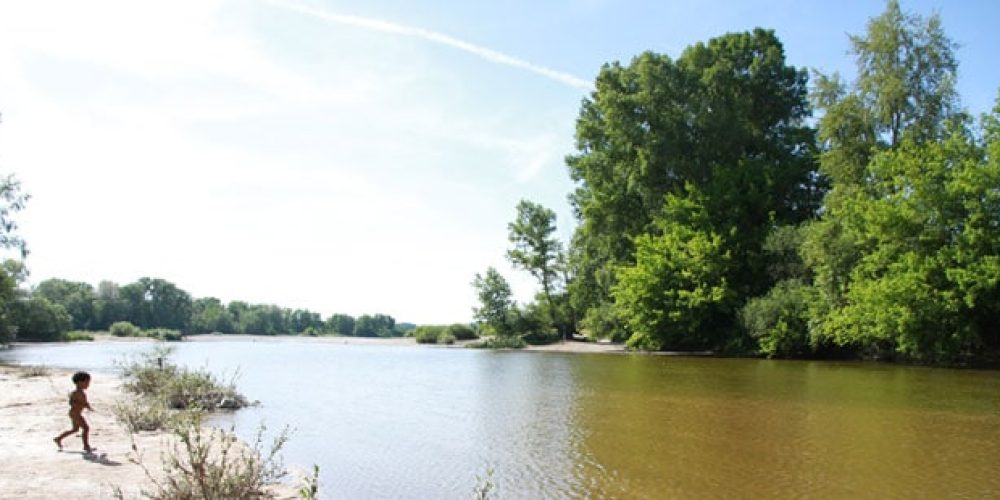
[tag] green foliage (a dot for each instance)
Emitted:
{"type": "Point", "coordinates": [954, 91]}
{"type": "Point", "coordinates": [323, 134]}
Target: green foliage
{"type": "Point", "coordinates": [602, 322]}
{"type": "Point", "coordinates": [461, 332]}
{"type": "Point", "coordinates": [535, 249]}
{"type": "Point", "coordinates": [676, 295]}
{"type": "Point", "coordinates": [446, 338]}
{"type": "Point", "coordinates": [208, 315]}
{"type": "Point", "coordinates": [76, 335]}
{"type": "Point", "coordinates": [156, 303]}
{"type": "Point", "coordinates": [379, 325]}
{"type": "Point", "coordinates": [12, 200]}
{"type": "Point", "coordinates": [428, 334]}
{"type": "Point", "coordinates": [310, 485]}
{"type": "Point", "coordinates": [496, 302]}
{"type": "Point", "coordinates": [779, 321]}
{"type": "Point", "coordinates": [341, 324]}
{"type": "Point", "coordinates": [124, 329]}
{"type": "Point", "coordinates": [164, 334]}
{"type": "Point", "coordinates": [498, 342]}
{"type": "Point", "coordinates": [37, 319]}
{"type": "Point", "coordinates": [725, 120]}
{"type": "Point", "coordinates": [153, 376]}
{"type": "Point", "coordinates": [78, 299]}
{"type": "Point", "coordinates": [143, 414]}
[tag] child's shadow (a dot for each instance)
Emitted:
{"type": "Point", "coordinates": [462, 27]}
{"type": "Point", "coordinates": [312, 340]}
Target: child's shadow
{"type": "Point", "coordinates": [97, 458]}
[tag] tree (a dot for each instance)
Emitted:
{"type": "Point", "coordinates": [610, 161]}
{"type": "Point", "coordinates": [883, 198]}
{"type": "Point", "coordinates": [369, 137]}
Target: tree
{"type": "Point", "coordinates": [77, 298]}
{"type": "Point", "coordinates": [39, 319]}
{"type": "Point", "coordinates": [535, 249]}
{"type": "Point", "coordinates": [208, 315]}
{"type": "Point", "coordinates": [496, 302]}
{"type": "Point", "coordinates": [156, 303]}
{"type": "Point", "coordinates": [726, 119]}
{"type": "Point", "coordinates": [12, 200]}
{"type": "Point", "coordinates": [676, 294]}
{"type": "Point", "coordinates": [342, 324]}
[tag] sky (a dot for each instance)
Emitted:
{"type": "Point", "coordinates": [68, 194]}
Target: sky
{"type": "Point", "coordinates": [344, 156]}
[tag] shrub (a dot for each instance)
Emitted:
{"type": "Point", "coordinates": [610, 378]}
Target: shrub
{"type": "Point", "coordinates": [541, 337]}
{"type": "Point", "coordinates": [446, 338]}
{"type": "Point", "coordinates": [499, 342]}
{"type": "Point", "coordinates": [428, 334]}
{"type": "Point", "coordinates": [210, 463]}
{"type": "Point", "coordinates": [144, 414]}
{"type": "Point", "coordinates": [124, 329]}
{"type": "Point", "coordinates": [165, 334]}
{"type": "Point", "coordinates": [779, 321]}
{"type": "Point", "coordinates": [461, 332]}
{"type": "Point", "coordinates": [77, 335]}
{"type": "Point", "coordinates": [153, 376]}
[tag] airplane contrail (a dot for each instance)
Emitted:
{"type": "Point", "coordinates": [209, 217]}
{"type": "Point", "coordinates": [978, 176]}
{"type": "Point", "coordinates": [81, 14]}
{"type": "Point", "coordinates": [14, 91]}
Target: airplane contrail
{"type": "Point", "coordinates": [433, 36]}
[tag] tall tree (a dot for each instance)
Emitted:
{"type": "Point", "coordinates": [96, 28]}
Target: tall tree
{"type": "Point", "coordinates": [77, 298]}
{"type": "Point", "coordinates": [157, 303]}
{"type": "Point", "coordinates": [726, 120]}
{"type": "Point", "coordinates": [536, 250]}
{"type": "Point", "coordinates": [496, 302]}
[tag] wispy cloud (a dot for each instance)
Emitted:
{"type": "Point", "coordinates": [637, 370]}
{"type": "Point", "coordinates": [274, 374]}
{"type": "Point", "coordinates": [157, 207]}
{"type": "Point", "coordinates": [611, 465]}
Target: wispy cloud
{"type": "Point", "coordinates": [433, 36]}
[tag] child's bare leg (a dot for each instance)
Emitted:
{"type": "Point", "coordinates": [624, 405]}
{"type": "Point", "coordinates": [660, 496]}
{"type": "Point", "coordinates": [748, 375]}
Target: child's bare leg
{"type": "Point", "coordinates": [86, 435]}
{"type": "Point", "coordinates": [58, 439]}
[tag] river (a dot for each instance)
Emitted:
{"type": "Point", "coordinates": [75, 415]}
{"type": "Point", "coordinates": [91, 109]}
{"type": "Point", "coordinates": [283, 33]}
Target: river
{"type": "Point", "coordinates": [424, 422]}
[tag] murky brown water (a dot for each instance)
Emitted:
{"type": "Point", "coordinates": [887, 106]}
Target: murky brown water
{"type": "Point", "coordinates": [414, 422]}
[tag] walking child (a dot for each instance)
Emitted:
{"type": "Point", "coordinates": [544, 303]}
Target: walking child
{"type": "Point", "coordinates": [77, 403]}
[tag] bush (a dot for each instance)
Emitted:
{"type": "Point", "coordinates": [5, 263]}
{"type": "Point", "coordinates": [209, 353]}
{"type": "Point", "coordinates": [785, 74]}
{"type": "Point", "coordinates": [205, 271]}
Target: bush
{"type": "Point", "coordinates": [499, 342]}
{"type": "Point", "coordinates": [446, 338]}
{"type": "Point", "coordinates": [153, 376]}
{"type": "Point", "coordinates": [428, 334]}
{"type": "Point", "coordinates": [144, 414]}
{"type": "Point", "coordinates": [461, 332]}
{"type": "Point", "coordinates": [209, 463]}
{"type": "Point", "coordinates": [165, 334]}
{"type": "Point", "coordinates": [542, 337]}
{"type": "Point", "coordinates": [779, 321]}
{"type": "Point", "coordinates": [124, 329]}
{"type": "Point", "coordinates": [78, 335]}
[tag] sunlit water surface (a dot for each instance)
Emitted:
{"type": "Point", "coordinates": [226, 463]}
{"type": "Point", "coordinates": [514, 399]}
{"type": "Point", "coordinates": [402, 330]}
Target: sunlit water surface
{"type": "Point", "coordinates": [423, 422]}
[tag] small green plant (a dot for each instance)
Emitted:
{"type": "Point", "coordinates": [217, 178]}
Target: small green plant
{"type": "Point", "coordinates": [124, 329]}
{"type": "Point", "coordinates": [77, 335]}
{"type": "Point", "coordinates": [310, 485]}
{"type": "Point", "coordinates": [446, 338]}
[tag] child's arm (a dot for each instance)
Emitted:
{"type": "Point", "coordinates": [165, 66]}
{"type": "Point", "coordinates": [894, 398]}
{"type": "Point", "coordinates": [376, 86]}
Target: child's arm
{"type": "Point", "coordinates": [86, 403]}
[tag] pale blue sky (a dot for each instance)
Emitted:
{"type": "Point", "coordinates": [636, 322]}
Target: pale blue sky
{"type": "Point", "coordinates": [342, 156]}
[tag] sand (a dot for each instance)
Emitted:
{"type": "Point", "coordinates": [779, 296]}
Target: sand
{"type": "Point", "coordinates": [33, 410]}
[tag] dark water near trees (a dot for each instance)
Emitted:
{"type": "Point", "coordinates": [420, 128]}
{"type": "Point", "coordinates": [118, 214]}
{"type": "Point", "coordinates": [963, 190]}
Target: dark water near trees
{"type": "Point", "coordinates": [420, 422]}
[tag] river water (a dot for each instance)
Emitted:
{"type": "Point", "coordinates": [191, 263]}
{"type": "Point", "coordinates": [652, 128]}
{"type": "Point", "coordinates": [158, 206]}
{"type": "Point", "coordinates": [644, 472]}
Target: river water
{"type": "Point", "coordinates": [424, 422]}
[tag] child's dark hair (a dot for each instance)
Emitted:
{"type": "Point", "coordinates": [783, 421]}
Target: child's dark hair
{"type": "Point", "coordinates": [80, 377]}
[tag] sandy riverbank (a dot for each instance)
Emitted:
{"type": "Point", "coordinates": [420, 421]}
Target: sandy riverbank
{"type": "Point", "coordinates": [34, 409]}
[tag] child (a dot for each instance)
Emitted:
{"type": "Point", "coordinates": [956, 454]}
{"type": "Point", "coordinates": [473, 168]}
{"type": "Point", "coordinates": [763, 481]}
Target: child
{"type": "Point", "coordinates": [77, 402]}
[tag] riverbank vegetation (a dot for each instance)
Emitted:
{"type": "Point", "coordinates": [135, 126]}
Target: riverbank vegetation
{"type": "Point", "coordinates": [724, 204]}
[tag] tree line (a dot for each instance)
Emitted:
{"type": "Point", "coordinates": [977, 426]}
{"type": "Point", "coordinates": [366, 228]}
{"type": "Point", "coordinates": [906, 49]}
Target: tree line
{"type": "Point", "coordinates": [725, 203]}
{"type": "Point", "coordinates": [56, 306]}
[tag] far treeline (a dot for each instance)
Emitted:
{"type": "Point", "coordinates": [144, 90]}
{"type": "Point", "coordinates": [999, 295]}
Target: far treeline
{"type": "Point", "coordinates": [724, 203]}
{"type": "Point", "coordinates": [56, 306]}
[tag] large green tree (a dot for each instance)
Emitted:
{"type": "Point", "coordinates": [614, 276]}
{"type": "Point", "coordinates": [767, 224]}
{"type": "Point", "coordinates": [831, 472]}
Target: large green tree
{"type": "Point", "coordinates": [77, 298]}
{"type": "Point", "coordinates": [156, 303]}
{"type": "Point", "coordinates": [725, 120]}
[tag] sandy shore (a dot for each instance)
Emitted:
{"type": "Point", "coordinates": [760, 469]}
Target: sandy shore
{"type": "Point", "coordinates": [33, 410]}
